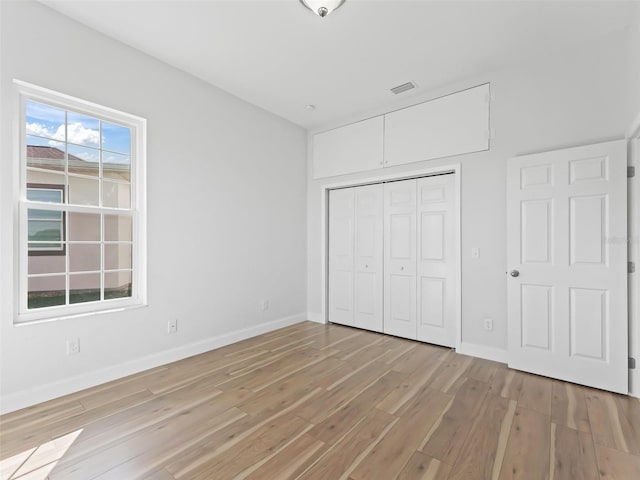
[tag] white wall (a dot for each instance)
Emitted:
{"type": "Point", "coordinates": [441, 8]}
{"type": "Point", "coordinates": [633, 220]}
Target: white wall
{"type": "Point", "coordinates": [226, 211]}
{"type": "Point", "coordinates": [563, 100]}
{"type": "Point", "coordinates": [633, 56]}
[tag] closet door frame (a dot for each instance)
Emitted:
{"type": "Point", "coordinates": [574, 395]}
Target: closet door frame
{"type": "Point", "coordinates": [454, 168]}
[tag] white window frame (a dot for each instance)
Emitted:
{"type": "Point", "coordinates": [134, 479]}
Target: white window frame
{"type": "Point", "coordinates": [137, 211]}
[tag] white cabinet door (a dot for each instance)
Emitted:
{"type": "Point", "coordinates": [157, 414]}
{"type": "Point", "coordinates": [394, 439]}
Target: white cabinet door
{"type": "Point", "coordinates": [446, 126]}
{"type": "Point", "coordinates": [352, 148]}
{"type": "Point", "coordinates": [368, 257]}
{"type": "Point", "coordinates": [400, 258]}
{"type": "Point", "coordinates": [567, 255]}
{"type": "Point", "coordinates": [437, 260]}
{"type": "Point", "coordinates": [341, 249]}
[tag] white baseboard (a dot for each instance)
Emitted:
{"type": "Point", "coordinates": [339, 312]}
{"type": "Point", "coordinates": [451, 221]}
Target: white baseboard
{"type": "Point", "coordinates": [482, 351]}
{"type": "Point", "coordinates": [42, 393]}
{"type": "Point", "coordinates": [315, 317]}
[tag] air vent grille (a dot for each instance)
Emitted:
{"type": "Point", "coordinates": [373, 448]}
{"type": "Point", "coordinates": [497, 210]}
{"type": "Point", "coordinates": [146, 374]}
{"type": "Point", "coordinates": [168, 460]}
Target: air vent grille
{"type": "Point", "coordinates": [403, 88]}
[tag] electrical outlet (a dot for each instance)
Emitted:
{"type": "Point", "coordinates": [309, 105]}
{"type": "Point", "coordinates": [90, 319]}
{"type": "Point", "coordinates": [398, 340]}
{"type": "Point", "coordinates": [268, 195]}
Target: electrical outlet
{"type": "Point", "coordinates": [488, 324]}
{"type": "Point", "coordinates": [73, 346]}
{"type": "Point", "coordinates": [265, 305]}
{"type": "Point", "coordinates": [172, 326]}
{"type": "Point", "coordinates": [475, 252]}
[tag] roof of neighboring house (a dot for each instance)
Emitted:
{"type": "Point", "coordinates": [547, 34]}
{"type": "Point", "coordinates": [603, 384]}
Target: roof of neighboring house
{"type": "Point", "coordinates": [52, 158]}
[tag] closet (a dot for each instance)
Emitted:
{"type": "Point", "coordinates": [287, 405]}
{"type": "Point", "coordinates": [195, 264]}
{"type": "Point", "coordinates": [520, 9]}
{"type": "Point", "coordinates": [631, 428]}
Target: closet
{"type": "Point", "coordinates": [393, 258]}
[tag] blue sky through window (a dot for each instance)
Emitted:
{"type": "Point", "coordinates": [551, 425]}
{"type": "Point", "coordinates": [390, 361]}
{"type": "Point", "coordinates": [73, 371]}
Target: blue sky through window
{"type": "Point", "coordinates": [48, 122]}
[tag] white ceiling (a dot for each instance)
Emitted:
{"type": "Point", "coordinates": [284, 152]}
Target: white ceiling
{"type": "Point", "coordinates": [279, 56]}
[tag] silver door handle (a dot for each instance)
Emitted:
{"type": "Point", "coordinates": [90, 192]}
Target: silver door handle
{"type": "Point", "coordinates": [515, 273]}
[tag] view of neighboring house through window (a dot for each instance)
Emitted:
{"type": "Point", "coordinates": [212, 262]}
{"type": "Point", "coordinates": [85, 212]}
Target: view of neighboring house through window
{"type": "Point", "coordinates": [46, 227]}
{"type": "Point", "coordinates": [78, 210]}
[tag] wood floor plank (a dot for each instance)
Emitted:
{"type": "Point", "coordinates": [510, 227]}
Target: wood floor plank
{"type": "Point", "coordinates": [615, 420]}
{"type": "Point", "coordinates": [424, 467]}
{"type": "Point", "coordinates": [483, 370]}
{"type": "Point", "coordinates": [506, 383]}
{"type": "Point", "coordinates": [616, 465]}
{"type": "Point", "coordinates": [569, 406]}
{"type": "Point", "coordinates": [536, 394]}
{"type": "Point", "coordinates": [144, 451]}
{"type": "Point", "coordinates": [450, 375]}
{"type": "Point", "coordinates": [528, 448]}
{"type": "Point", "coordinates": [446, 442]}
{"type": "Point", "coordinates": [340, 460]}
{"type": "Point", "coordinates": [339, 393]}
{"type": "Point", "coordinates": [390, 455]}
{"type": "Point", "coordinates": [255, 447]}
{"type": "Point", "coordinates": [205, 453]}
{"type": "Point", "coordinates": [400, 396]}
{"type": "Point", "coordinates": [334, 426]}
{"type": "Point", "coordinates": [418, 358]}
{"type": "Point", "coordinates": [292, 462]}
{"type": "Point", "coordinates": [160, 474]}
{"type": "Point", "coordinates": [477, 456]}
{"type": "Point", "coordinates": [576, 458]}
{"type": "Point", "coordinates": [315, 401]}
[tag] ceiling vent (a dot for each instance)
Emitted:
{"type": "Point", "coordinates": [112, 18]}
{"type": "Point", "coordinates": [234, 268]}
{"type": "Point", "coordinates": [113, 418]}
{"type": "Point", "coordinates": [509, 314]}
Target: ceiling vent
{"type": "Point", "coordinates": [403, 88]}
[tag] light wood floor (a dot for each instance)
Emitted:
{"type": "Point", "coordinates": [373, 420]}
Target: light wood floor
{"type": "Point", "coordinates": [327, 402]}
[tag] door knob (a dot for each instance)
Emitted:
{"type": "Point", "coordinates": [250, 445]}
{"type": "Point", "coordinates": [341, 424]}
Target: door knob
{"type": "Point", "coordinates": [514, 273]}
{"type": "Point", "coordinates": [401, 268]}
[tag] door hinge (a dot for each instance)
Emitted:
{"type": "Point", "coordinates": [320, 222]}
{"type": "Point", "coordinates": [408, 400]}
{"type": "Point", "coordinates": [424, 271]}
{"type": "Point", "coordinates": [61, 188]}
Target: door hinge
{"type": "Point", "coordinates": [631, 267]}
{"type": "Point", "coordinates": [632, 363]}
{"type": "Point", "coordinates": [631, 172]}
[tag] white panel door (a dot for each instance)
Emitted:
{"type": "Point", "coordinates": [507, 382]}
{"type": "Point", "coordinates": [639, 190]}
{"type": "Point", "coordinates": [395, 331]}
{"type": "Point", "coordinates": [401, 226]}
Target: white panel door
{"type": "Point", "coordinates": [400, 258]}
{"type": "Point", "coordinates": [352, 148]}
{"type": "Point", "coordinates": [437, 260]}
{"type": "Point", "coordinates": [368, 294]}
{"type": "Point", "coordinates": [446, 126]}
{"type": "Point", "coordinates": [341, 255]}
{"type": "Point", "coordinates": [567, 255]}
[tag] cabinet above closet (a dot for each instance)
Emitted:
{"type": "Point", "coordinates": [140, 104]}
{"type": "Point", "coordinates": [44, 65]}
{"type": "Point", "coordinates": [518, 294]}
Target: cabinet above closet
{"type": "Point", "coordinates": [451, 125]}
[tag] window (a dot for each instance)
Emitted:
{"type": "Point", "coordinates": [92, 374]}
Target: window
{"type": "Point", "coordinates": [82, 225]}
{"type": "Point", "coordinates": [45, 228]}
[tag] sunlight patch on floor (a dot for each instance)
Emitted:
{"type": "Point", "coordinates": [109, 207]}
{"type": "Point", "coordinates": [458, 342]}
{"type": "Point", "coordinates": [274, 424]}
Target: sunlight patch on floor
{"type": "Point", "coordinates": [37, 463]}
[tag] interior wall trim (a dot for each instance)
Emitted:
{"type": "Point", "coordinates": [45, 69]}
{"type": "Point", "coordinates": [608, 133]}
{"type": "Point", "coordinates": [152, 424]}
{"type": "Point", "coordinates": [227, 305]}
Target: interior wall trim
{"type": "Point", "coordinates": [42, 393]}
{"type": "Point", "coordinates": [482, 351]}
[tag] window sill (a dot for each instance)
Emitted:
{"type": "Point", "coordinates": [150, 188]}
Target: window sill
{"type": "Point", "coordinates": [33, 318]}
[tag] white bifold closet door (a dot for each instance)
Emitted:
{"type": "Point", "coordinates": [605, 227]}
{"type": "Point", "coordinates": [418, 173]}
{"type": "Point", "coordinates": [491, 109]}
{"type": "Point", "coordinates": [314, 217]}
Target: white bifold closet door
{"type": "Point", "coordinates": [437, 260]}
{"type": "Point", "coordinates": [368, 257]}
{"type": "Point", "coordinates": [355, 257]}
{"type": "Point", "coordinates": [420, 259]}
{"type": "Point", "coordinates": [341, 251]}
{"type": "Point", "coordinates": [400, 258]}
{"type": "Point", "coordinates": [392, 258]}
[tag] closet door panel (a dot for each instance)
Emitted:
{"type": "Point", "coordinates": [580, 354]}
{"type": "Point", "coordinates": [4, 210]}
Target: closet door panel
{"type": "Point", "coordinates": [368, 257]}
{"type": "Point", "coordinates": [400, 258]}
{"type": "Point", "coordinates": [341, 256]}
{"type": "Point", "coordinates": [437, 259]}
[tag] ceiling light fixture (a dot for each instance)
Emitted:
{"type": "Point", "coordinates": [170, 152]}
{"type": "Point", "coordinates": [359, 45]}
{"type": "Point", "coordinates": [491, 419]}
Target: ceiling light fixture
{"type": "Point", "coordinates": [322, 8]}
